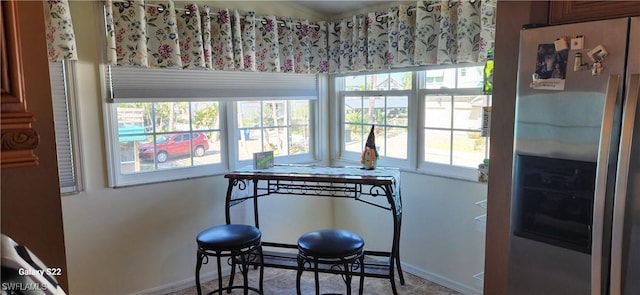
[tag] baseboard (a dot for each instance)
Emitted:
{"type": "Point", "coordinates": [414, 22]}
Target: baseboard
{"type": "Point", "coordinates": [184, 284]}
{"type": "Point", "coordinates": [205, 277]}
{"type": "Point", "coordinates": [440, 280]}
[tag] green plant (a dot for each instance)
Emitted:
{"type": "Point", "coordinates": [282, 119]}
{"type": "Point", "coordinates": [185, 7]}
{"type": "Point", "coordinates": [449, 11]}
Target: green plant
{"type": "Point", "coordinates": [206, 117]}
{"type": "Point", "coordinates": [478, 140]}
{"type": "Point", "coordinates": [355, 121]}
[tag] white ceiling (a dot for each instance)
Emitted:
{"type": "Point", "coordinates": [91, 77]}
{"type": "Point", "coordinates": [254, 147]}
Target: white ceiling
{"type": "Point", "coordinates": [335, 8]}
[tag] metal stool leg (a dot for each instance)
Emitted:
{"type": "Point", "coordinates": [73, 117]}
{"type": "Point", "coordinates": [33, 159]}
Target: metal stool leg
{"type": "Point", "coordinates": [245, 273]}
{"type": "Point", "coordinates": [261, 269]}
{"type": "Point", "coordinates": [219, 273]}
{"type": "Point", "coordinates": [315, 275]}
{"type": "Point", "coordinates": [299, 274]}
{"type": "Point", "coordinates": [233, 273]}
{"type": "Point", "coordinates": [347, 277]}
{"type": "Point", "coordinates": [199, 258]}
{"type": "Point", "coordinates": [360, 291]}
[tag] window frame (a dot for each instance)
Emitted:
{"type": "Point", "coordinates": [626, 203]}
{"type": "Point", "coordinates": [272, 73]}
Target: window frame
{"type": "Point", "coordinates": [415, 161]}
{"type": "Point", "coordinates": [310, 157]}
{"type": "Point", "coordinates": [447, 170]}
{"type": "Point", "coordinates": [227, 110]}
{"type": "Point", "coordinates": [355, 156]}
{"type": "Point", "coordinates": [119, 179]}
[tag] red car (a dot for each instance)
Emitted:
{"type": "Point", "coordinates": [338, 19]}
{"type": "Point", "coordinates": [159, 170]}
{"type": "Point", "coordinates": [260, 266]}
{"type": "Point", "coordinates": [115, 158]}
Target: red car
{"type": "Point", "coordinates": [171, 145]}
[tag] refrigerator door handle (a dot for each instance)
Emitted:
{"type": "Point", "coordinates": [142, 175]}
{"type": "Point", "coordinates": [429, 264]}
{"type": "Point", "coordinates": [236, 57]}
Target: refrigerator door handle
{"type": "Point", "coordinates": [601, 183]}
{"type": "Point", "coordinates": [619, 201]}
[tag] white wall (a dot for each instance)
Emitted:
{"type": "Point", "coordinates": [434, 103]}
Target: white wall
{"type": "Point", "coordinates": [440, 239]}
{"type": "Point", "coordinates": [142, 238]}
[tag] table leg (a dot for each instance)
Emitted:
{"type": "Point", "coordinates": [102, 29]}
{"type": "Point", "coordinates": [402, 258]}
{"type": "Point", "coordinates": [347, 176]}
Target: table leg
{"type": "Point", "coordinates": [227, 205]}
{"type": "Point", "coordinates": [398, 262]}
{"type": "Point", "coordinates": [394, 261]}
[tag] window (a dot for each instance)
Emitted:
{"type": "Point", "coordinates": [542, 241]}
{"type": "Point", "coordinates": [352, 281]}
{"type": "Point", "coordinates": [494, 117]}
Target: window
{"type": "Point", "coordinates": [280, 126]}
{"type": "Point", "coordinates": [451, 127]}
{"type": "Point", "coordinates": [387, 113]}
{"type": "Point", "coordinates": [452, 112]}
{"type": "Point", "coordinates": [169, 124]}
{"type": "Point", "coordinates": [64, 115]}
{"type": "Point", "coordinates": [381, 100]}
{"type": "Point", "coordinates": [434, 127]}
{"type": "Point", "coordinates": [156, 136]}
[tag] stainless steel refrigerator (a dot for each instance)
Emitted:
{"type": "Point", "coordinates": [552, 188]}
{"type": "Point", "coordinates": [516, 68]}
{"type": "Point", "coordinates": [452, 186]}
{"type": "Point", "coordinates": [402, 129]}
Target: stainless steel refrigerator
{"type": "Point", "coordinates": [576, 177]}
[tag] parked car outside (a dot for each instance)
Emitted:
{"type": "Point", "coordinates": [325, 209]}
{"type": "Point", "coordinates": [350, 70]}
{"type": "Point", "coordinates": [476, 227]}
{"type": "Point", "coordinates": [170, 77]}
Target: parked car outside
{"type": "Point", "coordinates": [172, 145]}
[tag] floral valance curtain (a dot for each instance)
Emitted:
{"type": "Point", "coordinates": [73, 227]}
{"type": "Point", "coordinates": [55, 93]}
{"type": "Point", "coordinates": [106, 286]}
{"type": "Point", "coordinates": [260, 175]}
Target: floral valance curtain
{"type": "Point", "coordinates": [61, 41]}
{"type": "Point", "coordinates": [156, 34]}
{"type": "Point", "coordinates": [159, 34]}
{"type": "Point", "coordinates": [430, 33]}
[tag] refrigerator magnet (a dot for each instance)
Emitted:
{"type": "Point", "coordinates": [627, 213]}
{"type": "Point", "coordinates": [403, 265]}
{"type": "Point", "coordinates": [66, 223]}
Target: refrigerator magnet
{"type": "Point", "coordinates": [561, 44]}
{"type": "Point", "coordinates": [598, 54]}
{"type": "Point", "coordinates": [596, 69]}
{"type": "Point", "coordinates": [578, 65]}
{"type": "Point", "coordinates": [577, 42]}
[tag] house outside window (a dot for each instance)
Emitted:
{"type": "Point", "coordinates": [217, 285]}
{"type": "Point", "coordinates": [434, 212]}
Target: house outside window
{"type": "Point", "coordinates": [452, 111]}
{"type": "Point", "coordinates": [381, 100]}
{"type": "Point", "coordinates": [433, 127]}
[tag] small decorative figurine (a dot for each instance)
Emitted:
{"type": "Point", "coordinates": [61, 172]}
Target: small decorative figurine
{"type": "Point", "coordinates": [369, 156]}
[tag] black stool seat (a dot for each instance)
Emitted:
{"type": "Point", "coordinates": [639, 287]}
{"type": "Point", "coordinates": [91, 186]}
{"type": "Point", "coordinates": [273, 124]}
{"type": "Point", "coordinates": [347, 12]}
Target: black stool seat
{"type": "Point", "coordinates": [330, 243]}
{"type": "Point", "coordinates": [228, 237]}
{"type": "Point", "coordinates": [241, 243]}
{"type": "Point", "coordinates": [339, 248]}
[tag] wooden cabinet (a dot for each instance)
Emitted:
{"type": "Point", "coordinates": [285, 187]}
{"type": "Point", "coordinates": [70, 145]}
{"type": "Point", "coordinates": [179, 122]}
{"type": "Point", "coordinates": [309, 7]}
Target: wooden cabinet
{"type": "Point", "coordinates": [19, 139]}
{"type": "Point", "coordinates": [562, 12]}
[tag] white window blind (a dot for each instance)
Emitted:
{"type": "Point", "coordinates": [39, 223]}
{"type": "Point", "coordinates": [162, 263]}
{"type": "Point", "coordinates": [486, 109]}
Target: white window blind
{"type": "Point", "coordinates": [64, 141]}
{"type": "Point", "coordinates": [132, 84]}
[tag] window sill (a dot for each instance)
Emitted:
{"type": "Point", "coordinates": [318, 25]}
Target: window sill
{"type": "Point", "coordinates": [455, 173]}
{"type": "Point", "coordinates": [453, 176]}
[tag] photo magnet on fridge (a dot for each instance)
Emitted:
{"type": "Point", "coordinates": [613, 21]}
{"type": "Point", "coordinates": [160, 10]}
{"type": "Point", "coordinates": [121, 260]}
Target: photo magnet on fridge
{"type": "Point", "coordinates": [551, 68]}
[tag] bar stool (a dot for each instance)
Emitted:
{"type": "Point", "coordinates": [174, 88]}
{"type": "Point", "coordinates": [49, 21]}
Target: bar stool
{"type": "Point", "coordinates": [335, 247]}
{"type": "Point", "coordinates": [237, 241]}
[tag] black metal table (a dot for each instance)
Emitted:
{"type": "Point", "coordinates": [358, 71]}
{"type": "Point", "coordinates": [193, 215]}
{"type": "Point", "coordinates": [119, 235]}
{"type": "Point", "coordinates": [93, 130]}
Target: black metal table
{"type": "Point", "coordinates": [366, 186]}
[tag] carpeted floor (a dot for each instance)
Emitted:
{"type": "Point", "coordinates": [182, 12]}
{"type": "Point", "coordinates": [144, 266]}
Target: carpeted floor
{"type": "Point", "coordinates": [283, 282]}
